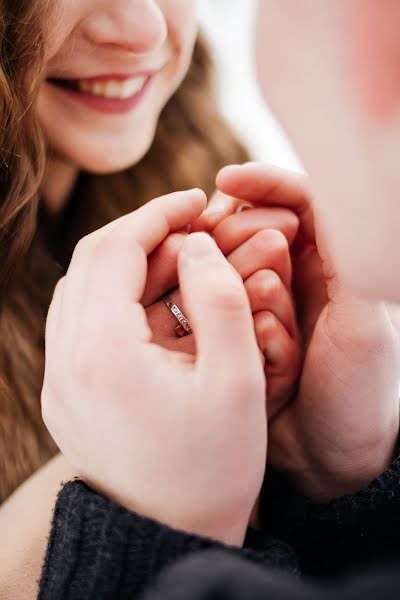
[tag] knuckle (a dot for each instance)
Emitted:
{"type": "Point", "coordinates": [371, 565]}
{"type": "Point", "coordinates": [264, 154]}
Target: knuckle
{"type": "Point", "coordinates": [289, 222]}
{"type": "Point", "coordinates": [82, 248]}
{"type": "Point", "coordinates": [230, 298]}
{"type": "Point", "coordinates": [291, 218]}
{"type": "Point", "coordinates": [228, 230]}
{"type": "Point", "coordinates": [278, 240]}
{"type": "Point", "coordinates": [59, 287]}
{"type": "Point", "coordinates": [265, 323]}
{"type": "Point", "coordinates": [269, 285]}
{"type": "Point", "coordinates": [273, 240]}
{"type": "Point", "coordinates": [172, 245]}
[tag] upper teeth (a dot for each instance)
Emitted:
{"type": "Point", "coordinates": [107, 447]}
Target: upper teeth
{"type": "Point", "coordinates": [112, 88]}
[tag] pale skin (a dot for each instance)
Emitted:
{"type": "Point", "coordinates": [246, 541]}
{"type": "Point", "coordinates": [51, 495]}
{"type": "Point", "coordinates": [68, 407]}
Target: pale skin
{"type": "Point", "coordinates": [90, 38]}
{"type": "Point", "coordinates": [87, 39]}
{"type": "Point", "coordinates": [215, 526]}
{"type": "Point", "coordinates": [337, 464]}
{"type": "Point", "coordinates": [327, 443]}
{"type": "Point", "coordinates": [341, 107]}
{"type": "Point", "coordinates": [261, 271]}
{"type": "Point", "coordinates": [343, 62]}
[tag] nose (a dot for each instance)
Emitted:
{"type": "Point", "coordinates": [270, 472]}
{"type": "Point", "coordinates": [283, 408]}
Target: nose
{"type": "Point", "coordinates": [138, 26]}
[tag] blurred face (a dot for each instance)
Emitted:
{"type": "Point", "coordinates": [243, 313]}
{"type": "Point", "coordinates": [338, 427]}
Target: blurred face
{"type": "Point", "coordinates": [331, 72]}
{"type": "Point", "coordinates": [111, 67]}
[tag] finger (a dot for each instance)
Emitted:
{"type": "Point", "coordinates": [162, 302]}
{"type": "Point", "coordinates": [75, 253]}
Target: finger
{"type": "Point", "coordinates": [267, 185]}
{"type": "Point", "coordinates": [219, 312]}
{"type": "Point", "coordinates": [163, 323]}
{"type": "Point", "coordinates": [267, 292]}
{"type": "Point", "coordinates": [162, 273]}
{"type": "Point", "coordinates": [112, 274]}
{"type": "Point", "coordinates": [282, 356]}
{"type": "Point", "coordinates": [279, 349]}
{"type": "Point", "coordinates": [76, 277]}
{"type": "Point", "coordinates": [237, 229]}
{"type": "Point", "coordinates": [267, 249]}
{"type": "Point", "coordinates": [218, 208]}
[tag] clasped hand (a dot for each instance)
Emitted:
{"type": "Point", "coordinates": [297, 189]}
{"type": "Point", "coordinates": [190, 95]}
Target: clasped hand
{"type": "Point", "coordinates": [176, 429]}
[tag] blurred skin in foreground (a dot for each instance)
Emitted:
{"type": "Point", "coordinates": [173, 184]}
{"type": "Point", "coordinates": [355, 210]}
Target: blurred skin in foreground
{"type": "Point", "coordinates": [330, 73]}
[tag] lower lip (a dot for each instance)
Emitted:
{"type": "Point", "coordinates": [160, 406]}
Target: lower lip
{"type": "Point", "coordinates": [105, 105]}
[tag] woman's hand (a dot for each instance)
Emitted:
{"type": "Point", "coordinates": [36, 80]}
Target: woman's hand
{"type": "Point", "coordinates": [173, 438]}
{"type": "Point", "coordinates": [340, 431]}
{"type": "Point", "coordinates": [261, 257]}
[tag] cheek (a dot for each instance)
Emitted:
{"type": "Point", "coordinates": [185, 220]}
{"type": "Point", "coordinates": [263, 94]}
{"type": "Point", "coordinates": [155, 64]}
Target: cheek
{"type": "Point", "coordinates": [375, 39]}
{"type": "Point", "coordinates": [183, 24]}
{"type": "Point", "coordinates": [64, 18]}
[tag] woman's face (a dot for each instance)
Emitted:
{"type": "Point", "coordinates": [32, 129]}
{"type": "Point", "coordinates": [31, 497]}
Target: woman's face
{"type": "Point", "coordinates": [111, 67]}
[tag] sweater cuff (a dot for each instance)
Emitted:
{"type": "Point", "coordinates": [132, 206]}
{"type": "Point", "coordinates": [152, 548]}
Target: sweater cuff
{"type": "Point", "coordinates": [347, 532]}
{"type": "Point", "coordinates": [97, 549]}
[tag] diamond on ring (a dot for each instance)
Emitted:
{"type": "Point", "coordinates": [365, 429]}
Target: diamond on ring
{"type": "Point", "coordinates": [184, 327]}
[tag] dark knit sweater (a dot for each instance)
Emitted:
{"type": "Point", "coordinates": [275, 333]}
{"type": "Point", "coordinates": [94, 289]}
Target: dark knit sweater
{"type": "Point", "coordinates": [98, 550]}
{"type": "Point", "coordinates": [214, 575]}
{"type": "Point", "coordinates": [353, 531]}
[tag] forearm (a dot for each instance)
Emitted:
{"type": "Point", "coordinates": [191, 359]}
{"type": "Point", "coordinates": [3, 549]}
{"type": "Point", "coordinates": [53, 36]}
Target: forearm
{"type": "Point", "coordinates": [25, 520]}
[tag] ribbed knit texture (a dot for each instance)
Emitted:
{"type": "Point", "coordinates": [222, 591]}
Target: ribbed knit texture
{"type": "Point", "coordinates": [353, 531]}
{"type": "Point", "coordinates": [214, 575]}
{"type": "Point", "coordinates": [99, 551]}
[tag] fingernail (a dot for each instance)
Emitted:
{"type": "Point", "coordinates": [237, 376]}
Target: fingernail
{"type": "Point", "coordinates": [217, 204]}
{"type": "Point", "coordinates": [200, 246]}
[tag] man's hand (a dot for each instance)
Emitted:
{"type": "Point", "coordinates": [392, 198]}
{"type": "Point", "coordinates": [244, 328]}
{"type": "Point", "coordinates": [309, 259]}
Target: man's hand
{"type": "Point", "coordinates": [341, 429]}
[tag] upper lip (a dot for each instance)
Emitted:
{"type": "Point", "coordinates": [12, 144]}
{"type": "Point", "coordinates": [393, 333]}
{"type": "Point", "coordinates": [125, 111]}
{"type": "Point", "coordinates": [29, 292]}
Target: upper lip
{"type": "Point", "coordinates": [107, 76]}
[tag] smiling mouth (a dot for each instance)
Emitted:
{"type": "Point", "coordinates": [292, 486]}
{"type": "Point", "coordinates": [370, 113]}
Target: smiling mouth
{"type": "Point", "coordinates": [112, 89]}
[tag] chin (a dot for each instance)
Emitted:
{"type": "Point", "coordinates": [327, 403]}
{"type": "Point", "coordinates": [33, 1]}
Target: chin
{"type": "Point", "coordinates": [107, 165]}
{"type": "Point", "coordinates": [107, 155]}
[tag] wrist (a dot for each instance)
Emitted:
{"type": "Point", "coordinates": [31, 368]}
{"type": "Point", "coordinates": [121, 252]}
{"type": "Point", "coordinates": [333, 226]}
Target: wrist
{"type": "Point", "coordinates": [228, 531]}
{"type": "Point", "coordinates": [322, 482]}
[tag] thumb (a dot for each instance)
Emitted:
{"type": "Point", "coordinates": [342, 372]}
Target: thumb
{"type": "Point", "coordinates": [219, 311]}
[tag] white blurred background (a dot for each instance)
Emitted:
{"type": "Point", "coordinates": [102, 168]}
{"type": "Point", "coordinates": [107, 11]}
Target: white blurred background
{"type": "Point", "coordinates": [229, 27]}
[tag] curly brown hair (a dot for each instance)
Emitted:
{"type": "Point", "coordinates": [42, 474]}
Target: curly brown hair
{"type": "Point", "coordinates": [191, 144]}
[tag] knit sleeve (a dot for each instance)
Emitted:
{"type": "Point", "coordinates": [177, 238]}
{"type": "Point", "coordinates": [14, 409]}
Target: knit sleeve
{"type": "Point", "coordinates": [349, 532]}
{"type": "Point", "coordinates": [215, 575]}
{"type": "Point", "coordinates": [98, 550]}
